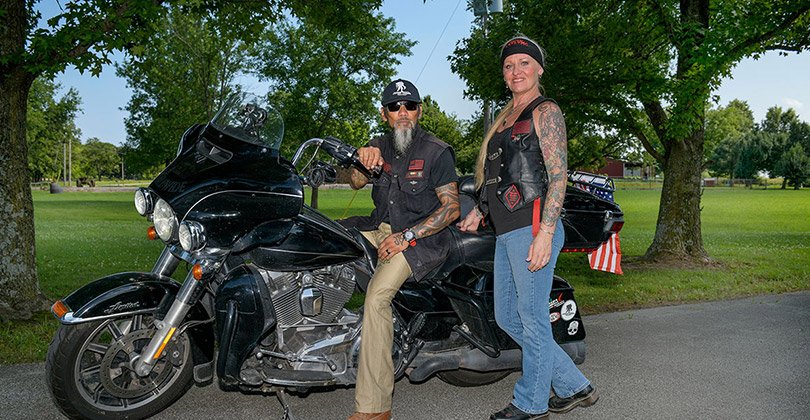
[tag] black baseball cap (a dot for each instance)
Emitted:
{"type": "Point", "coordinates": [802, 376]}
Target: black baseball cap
{"type": "Point", "coordinates": [400, 90]}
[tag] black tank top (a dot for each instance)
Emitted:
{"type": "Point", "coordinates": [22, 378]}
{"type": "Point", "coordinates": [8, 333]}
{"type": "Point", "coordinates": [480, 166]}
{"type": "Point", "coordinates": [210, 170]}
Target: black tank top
{"type": "Point", "coordinates": [503, 220]}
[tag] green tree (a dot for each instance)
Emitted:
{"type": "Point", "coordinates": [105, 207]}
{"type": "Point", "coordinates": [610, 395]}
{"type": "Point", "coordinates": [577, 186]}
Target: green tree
{"type": "Point", "coordinates": [179, 78]}
{"type": "Point", "coordinates": [328, 81]}
{"type": "Point", "coordinates": [784, 129]}
{"type": "Point", "coordinates": [796, 166]}
{"type": "Point", "coordinates": [450, 129]}
{"type": "Point", "coordinates": [642, 67]}
{"type": "Point", "coordinates": [85, 35]}
{"type": "Point", "coordinates": [100, 159]}
{"type": "Point", "coordinates": [729, 123]}
{"type": "Point", "coordinates": [50, 124]}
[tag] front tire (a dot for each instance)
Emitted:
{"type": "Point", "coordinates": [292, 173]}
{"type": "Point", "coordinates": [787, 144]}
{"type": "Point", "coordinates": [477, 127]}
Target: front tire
{"type": "Point", "coordinates": [89, 372]}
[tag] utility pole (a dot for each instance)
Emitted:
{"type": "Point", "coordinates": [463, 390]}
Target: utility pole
{"type": "Point", "coordinates": [64, 164]}
{"type": "Point", "coordinates": [482, 9]}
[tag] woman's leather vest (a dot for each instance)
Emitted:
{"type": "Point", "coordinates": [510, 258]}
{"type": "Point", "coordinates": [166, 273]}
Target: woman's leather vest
{"type": "Point", "coordinates": [522, 177]}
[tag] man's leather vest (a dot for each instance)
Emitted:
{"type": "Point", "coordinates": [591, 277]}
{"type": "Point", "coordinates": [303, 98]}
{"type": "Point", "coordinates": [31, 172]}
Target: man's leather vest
{"type": "Point", "coordinates": [403, 193]}
{"type": "Point", "coordinates": [522, 177]}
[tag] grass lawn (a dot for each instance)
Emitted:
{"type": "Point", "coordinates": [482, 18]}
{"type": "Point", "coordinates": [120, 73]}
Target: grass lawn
{"type": "Point", "coordinates": [760, 240]}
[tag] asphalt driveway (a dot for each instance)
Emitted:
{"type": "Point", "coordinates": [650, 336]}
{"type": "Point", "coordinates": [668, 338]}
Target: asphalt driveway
{"type": "Point", "coordinates": [739, 359]}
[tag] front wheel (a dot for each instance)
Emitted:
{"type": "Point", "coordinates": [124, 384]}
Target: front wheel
{"type": "Point", "coordinates": [90, 371]}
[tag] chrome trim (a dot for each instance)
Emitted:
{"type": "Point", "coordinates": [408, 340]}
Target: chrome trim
{"type": "Point", "coordinates": [68, 318]}
{"type": "Point", "coordinates": [237, 191]}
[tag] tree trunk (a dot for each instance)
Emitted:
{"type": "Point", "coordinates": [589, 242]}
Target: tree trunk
{"type": "Point", "coordinates": [20, 294]}
{"type": "Point", "coordinates": [677, 233]}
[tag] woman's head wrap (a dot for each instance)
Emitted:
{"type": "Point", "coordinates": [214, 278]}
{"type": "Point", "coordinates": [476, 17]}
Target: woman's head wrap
{"type": "Point", "coordinates": [523, 45]}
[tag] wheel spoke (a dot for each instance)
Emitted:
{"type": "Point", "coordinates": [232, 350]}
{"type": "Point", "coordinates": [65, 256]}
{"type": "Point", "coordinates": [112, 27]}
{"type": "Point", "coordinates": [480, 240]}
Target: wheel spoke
{"type": "Point", "coordinates": [137, 322]}
{"type": "Point", "coordinates": [98, 348]}
{"type": "Point", "coordinates": [91, 370]}
{"type": "Point", "coordinates": [115, 331]}
{"type": "Point", "coordinates": [97, 392]}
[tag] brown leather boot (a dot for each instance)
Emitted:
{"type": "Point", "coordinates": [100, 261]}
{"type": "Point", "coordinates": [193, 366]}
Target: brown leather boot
{"type": "Point", "coordinates": [371, 416]}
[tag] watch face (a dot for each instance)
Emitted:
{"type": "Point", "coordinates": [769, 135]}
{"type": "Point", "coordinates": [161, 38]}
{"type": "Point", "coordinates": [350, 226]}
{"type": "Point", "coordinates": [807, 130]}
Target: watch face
{"type": "Point", "coordinates": [408, 235]}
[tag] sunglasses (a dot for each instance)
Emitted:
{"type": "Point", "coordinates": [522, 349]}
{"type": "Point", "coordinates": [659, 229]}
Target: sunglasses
{"type": "Point", "coordinates": [395, 106]}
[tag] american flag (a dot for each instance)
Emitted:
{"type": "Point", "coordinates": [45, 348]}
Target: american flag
{"type": "Point", "coordinates": [603, 194]}
{"type": "Point", "coordinates": [608, 257]}
{"type": "Point", "coordinates": [583, 187]}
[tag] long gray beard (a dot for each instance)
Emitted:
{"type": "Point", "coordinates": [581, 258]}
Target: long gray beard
{"type": "Point", "coordinates": [403, 137]}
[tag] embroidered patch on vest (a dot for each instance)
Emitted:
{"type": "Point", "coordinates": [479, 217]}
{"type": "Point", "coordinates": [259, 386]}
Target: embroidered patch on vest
{"type": "Point", "coordinates": [414, 175]}
{"type": "Point", "coordinates": [522, 127]}
{"type": "Point", "coordinates": [416, 165]}
{"type": "Point", "coordinates": [512, 196]}
{"type": "Point", "coordinates": [386, 168]}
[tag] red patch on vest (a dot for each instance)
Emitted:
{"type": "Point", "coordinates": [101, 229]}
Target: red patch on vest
{"type": "Point", "coordinates": [512, 196]}
{"type": "Point", "coordinates": [416, 165]}
{"type": "Point", "coordinates": [386, 168]}
{"type": "Point", "coordinates": [522, 127]}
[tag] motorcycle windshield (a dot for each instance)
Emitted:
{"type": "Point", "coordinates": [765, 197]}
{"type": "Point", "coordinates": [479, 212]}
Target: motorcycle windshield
{"type": "Point", "coordinates": [250, 118]}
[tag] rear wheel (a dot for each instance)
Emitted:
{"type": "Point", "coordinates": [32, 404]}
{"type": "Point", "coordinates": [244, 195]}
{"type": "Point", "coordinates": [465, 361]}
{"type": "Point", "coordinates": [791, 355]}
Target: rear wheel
{"type": "Point", "coordinates": [576, 350]}
{"type": "Point", "coordinates": [468, 378]}
{"type": "Point", "coordinates": [90, 373]}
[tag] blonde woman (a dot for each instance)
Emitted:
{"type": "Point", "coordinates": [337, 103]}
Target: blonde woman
{"type": "Point", "coordinates": [522, 174]}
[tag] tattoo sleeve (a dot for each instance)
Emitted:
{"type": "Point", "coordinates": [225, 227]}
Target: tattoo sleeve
{"type": "Point", "coordinates": [550, 127]}
{"type": "Point", "coordinates": [447, 213]}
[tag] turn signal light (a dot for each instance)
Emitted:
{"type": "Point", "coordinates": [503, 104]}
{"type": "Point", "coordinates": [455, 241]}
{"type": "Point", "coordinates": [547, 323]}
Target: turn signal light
{"type": "Point", "coordinates": [197, 271]}
{"type": "Point", "coordinates": [151, 233]}
{"type": "Point", "coordinates": [59, 309]}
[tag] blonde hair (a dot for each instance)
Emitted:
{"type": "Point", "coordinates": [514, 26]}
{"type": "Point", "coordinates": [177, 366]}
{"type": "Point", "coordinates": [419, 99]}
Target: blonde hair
{"type": "Point", "coordinates": [482, 154]}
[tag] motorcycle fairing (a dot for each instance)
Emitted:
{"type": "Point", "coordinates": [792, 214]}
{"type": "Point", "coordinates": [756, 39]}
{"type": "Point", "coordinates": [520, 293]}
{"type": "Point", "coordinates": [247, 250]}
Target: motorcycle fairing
{"type": "Point", "coordinates": [312, 242]}
{"type": "Point", "coordinates": [229, 185]}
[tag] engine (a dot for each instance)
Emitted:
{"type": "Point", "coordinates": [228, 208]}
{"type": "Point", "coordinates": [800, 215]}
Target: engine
{"type": "Point", "coordinates": [310, 297]}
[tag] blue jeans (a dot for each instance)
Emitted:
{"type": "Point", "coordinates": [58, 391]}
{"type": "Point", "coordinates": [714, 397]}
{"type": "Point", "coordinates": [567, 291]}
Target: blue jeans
{"type": "Point", "coordinates": [521, 309]}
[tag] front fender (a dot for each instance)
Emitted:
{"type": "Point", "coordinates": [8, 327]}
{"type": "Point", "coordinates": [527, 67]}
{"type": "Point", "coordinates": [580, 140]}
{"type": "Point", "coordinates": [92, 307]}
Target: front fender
{"type": "Point", "coordinates": [119, 294]}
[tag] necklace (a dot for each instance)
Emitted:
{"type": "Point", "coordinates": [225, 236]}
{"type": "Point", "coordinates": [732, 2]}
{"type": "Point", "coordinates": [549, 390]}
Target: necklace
{"type": "Point", "coordinates": [512, 112]}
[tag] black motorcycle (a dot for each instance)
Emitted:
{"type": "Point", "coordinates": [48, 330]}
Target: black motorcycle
{"type": "Point", "coordinates": [264, 302]}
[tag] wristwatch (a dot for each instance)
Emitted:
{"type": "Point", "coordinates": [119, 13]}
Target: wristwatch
{"type": "Point", "coordinates": [409, 236]}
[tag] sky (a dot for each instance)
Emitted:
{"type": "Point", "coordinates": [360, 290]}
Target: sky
{"type": "Point", "coordinates": [437, 25]}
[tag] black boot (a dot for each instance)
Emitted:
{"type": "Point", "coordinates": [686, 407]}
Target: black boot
{"type": "Point", "coordinates": [585, 398]}
{"type": "Point", "coordinates": [513, 413]}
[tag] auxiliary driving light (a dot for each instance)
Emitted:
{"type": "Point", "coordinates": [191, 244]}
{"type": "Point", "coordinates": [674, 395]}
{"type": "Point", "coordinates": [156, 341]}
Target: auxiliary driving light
{"type": "Point", "coordinates": [191, 235]}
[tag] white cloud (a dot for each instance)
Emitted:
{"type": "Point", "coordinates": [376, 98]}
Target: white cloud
{"type": "Point", "coordinates": [793, 103]}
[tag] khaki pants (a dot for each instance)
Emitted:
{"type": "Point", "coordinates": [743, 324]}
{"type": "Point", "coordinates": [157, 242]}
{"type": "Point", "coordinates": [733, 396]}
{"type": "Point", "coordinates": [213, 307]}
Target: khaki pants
{"type": "Point", "coordinates": [375, 376]}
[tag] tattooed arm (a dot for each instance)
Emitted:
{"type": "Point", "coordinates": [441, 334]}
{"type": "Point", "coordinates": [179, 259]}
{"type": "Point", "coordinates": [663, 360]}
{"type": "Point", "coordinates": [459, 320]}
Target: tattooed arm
{"type": "Point", "coordinates": [550, 127]}
{"type": "Point", "coordinates": [449, 211]}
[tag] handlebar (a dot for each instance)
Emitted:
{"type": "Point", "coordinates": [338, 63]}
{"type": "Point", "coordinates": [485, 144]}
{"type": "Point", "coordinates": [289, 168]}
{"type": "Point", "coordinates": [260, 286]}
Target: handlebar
{"type": "Point", "coordinates": [345, 154]}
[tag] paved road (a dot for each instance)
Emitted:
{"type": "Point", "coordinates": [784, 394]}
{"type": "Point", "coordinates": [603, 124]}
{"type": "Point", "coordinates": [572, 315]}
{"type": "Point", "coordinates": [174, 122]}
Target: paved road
{"type": "Point", "coordinates": [740, 359]}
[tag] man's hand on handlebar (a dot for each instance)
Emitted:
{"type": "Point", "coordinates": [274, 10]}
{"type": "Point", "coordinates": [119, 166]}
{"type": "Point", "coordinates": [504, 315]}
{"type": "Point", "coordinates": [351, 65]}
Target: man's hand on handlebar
{"type": "Point", "coordinates": [370, 157]}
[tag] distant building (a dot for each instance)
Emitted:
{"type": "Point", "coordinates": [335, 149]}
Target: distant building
{"type": "Point", "coordinates": [615, 168]}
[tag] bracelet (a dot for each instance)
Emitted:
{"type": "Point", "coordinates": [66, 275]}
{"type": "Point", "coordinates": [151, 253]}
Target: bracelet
{"type": "Point", "coordinates": [545, 231]}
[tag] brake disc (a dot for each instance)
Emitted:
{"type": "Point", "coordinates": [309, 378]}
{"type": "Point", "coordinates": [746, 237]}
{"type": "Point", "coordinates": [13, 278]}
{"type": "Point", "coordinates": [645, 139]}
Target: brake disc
{"type": "Point", "coordinates": [117, 374]}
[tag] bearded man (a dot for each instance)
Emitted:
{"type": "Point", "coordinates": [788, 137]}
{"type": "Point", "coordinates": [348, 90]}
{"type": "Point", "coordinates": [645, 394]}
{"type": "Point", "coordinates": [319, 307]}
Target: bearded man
{"type": "Point", "coordinates": [415, 199]}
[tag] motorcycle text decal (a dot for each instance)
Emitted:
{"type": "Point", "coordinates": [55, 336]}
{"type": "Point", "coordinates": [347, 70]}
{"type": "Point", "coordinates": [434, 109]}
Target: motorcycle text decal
{"type": "Point", "coordinates": [569, 310]}
{"type": "Point", "coordinates": [555, 303]}
{"type": "Point", "coordinates": [121, 306]}
{"type": "Point", "coordinates": [554, 317]}
{"type": "Point", "coordinates": [573, 327]}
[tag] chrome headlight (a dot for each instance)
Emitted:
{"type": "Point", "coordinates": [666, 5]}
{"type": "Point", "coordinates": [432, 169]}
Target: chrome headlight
{"type": "Point", "coordinates": [144, 201]}
{"type": "Point", "coordinates": [164, 219]}
{"type": "Point", "coordinates": [192, 236]}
